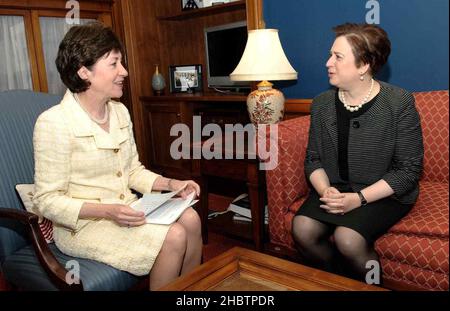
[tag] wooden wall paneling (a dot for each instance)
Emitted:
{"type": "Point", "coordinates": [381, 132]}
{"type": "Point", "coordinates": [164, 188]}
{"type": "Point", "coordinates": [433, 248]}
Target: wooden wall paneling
{"type": "Point", "coordinates": [297, 107]}
{"type": "Point", "coordinates": [133, 81]}
{"type": "Point", "coordinates": [140, 35]}
{"type": "Point", "coordinates": [183, 42]}
{"type": "Point", "coordinates": [106, 19]}
{"type": "Point", "coordinates": [143, 35]}
{"type": "Point", "coordinates": [164, 47]}
{"type": "Point", "coordinates": [118, 26]}
{"type": "Point", "coordinates": [255, 18]}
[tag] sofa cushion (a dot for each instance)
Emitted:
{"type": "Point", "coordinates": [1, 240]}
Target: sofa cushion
{"type": "Point", "coordinates": [422, 252]}
{"type": "Point", "coordinates": [406, 275]}
{"type": "Point", "coordinates": [433, 110]}
{"type": "Point", "coordinates": [429, 216]}
{"type": "Point", "coordinates": [23, 270]}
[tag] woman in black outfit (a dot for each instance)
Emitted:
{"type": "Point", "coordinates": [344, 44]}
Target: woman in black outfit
{"type": "Point", "coordinates": [364, 155]}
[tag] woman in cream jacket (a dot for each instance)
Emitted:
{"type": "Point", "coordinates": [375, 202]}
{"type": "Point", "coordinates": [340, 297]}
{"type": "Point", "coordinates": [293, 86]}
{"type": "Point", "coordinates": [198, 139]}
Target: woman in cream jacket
{"type": "Point", "coordinates": [86, 166]}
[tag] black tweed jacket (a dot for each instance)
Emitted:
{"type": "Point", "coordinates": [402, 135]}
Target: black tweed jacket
{"type": "Point", "coordinates": [384, 143]}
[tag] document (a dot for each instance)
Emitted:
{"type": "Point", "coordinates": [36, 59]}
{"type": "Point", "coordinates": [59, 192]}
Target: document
{"type": "Point", "coordinates": [163, 208]}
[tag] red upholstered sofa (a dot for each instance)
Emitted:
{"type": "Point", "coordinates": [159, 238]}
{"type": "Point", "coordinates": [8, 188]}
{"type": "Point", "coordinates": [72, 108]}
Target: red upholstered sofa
{"type": "Point", "coordinates": [415, 252]}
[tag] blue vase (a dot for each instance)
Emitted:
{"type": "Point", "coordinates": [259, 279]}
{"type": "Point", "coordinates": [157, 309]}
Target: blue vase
{"type": "Point", "coordinates": [158, 83]}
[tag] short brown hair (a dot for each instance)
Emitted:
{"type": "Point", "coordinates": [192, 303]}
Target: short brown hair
{"type": "Point", "coordinates": [83, 45]}
{"type": "Point", "coordinates": [370, 44]}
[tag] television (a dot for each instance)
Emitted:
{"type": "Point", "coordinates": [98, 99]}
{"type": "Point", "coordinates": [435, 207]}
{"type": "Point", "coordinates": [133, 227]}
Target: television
{"type": "Point", "coordinates": [225, 45]}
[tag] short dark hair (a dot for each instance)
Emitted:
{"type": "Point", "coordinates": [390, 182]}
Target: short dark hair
{"type": "Point", "coordinates": [370, 44]}
{"type": "Point", "coordinates": [84, 45]}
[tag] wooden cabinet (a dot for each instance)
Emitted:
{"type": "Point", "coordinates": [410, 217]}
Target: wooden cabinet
{"type": "Point", "coordinates": [159, 117]}
{"type": "Point", "coordinates": [160, 113]}
{"type": "Point", "coordinates": [225, 176]}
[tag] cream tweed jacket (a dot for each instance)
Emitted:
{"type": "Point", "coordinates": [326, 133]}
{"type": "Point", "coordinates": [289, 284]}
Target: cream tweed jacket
{"type": "Point", "coordinates": [76, 161]}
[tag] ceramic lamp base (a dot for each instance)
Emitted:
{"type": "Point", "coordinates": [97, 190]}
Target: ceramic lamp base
{"type": "Point", "coordinates": [265, 105]}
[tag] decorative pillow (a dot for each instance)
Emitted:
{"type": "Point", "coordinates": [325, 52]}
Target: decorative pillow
{"type": "Point", "coordinates": [26, 192]}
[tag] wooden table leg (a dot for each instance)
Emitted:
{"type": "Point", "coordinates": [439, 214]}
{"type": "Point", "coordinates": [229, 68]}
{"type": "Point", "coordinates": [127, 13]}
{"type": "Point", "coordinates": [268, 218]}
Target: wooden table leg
{"type": "Point", "coordinates": [204, 211]}
{"type": "Point", "coordinates": [203, 204]}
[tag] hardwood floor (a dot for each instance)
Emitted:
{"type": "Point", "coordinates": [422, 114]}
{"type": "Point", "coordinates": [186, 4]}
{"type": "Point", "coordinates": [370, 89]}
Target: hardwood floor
{"type": "Point", "coordinates": [218, 244]}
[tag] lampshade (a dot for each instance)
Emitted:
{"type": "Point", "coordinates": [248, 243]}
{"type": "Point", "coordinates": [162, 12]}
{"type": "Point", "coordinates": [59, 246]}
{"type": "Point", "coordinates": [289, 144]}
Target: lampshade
{"type": "Point", "coordinates": [263, 59]}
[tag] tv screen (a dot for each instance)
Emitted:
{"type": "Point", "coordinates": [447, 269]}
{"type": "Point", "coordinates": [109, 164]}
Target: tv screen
{"type": "Point", "coordinates": [225, 45]}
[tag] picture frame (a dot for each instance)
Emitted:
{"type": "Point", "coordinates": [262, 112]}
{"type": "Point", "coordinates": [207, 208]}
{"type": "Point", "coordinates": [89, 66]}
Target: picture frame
{"type": "Point", "coordinates": [191, 4]}
{"type": "Point", "coordinates": [186, 78]}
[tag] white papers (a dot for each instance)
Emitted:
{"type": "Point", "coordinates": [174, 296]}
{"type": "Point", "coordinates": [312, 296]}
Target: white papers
{"type": "Point", "coordinates": [163, 208]}
{"type": "Point", "coordinates": [241, 207]}
{"type": "Point", "coordinates": [171, 210]}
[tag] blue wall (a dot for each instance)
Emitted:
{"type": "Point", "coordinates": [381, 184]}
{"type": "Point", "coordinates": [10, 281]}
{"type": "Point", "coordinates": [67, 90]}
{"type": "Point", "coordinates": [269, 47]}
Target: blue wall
{"type": "Point", "coordinates": [418, 30]}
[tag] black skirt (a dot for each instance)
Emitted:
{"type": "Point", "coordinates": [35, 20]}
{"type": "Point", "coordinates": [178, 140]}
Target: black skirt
{"type": "Point", "coordinates": [371, 220]}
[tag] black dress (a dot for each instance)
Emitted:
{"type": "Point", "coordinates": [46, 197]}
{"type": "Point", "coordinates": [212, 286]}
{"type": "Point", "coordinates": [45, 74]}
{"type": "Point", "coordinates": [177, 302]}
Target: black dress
{"type": "Point", "coordinates": [371, 220]}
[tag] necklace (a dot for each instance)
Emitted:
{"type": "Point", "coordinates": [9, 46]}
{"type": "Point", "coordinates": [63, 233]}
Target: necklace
{"type": "Point", "coordinates": [98, 121]}
{"type": "Point", "coordinates": [356, 108]}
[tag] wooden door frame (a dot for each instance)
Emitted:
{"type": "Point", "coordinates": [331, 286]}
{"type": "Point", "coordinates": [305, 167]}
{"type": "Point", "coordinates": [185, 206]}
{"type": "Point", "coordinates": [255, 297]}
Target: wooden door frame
{"type": "Point", "coordinates": [31, 47]}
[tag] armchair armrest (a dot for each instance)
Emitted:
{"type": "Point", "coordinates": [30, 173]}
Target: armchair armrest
{"type": "Point", "coordinates": [286, 182]}
{"type": "Point", "coordinates": [54, 269]}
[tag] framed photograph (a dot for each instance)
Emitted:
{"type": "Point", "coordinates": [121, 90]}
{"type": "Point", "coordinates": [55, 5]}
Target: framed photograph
{"type": "Point", "coordinates": [185, 78]}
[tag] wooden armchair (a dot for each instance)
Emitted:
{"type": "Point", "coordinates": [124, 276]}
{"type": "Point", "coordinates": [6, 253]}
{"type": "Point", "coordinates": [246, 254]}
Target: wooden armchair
{"type": "Point", "coordinates": [27, 262]}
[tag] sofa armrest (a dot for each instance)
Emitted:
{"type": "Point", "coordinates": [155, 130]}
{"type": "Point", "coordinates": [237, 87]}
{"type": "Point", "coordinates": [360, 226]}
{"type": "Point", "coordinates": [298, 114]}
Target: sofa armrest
{"type": "Point", "coordinates": [54, 269]}
{"type": "Point", "coordinates": [287, 182]}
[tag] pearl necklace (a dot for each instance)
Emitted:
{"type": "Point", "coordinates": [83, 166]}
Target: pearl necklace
{"type": "Point", "coordinates": [356, 108]}
{"type": "Point", "coordinates": [98, 121]}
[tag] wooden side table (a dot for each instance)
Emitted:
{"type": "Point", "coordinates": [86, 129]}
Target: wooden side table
{"type": "Point", "coordinates": [243, 170]}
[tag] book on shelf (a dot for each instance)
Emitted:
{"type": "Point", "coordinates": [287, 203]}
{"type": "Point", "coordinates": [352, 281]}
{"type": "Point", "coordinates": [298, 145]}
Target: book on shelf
{"type": "Point", "coordinates": [163, 208]}
{"type": "Point", "coordinates": [246, 219]}
{"type": "Point", "coordinates": [241, 206]}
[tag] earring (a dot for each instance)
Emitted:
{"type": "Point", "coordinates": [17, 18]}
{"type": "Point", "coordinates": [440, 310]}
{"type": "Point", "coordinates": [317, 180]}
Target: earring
{"type": "Point", "coordinates": [361, 77]}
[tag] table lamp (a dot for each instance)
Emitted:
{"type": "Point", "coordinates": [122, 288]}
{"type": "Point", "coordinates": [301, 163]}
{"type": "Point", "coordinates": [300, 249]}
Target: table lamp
{"type": "Point", "coordinates": [264, 60]}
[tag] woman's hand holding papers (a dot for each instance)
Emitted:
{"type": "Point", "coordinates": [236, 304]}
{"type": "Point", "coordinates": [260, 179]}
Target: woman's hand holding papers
{"type": "Point", "coordinates": [125, 216]}
{"type": "Point", "coordinates": [188, 185]}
